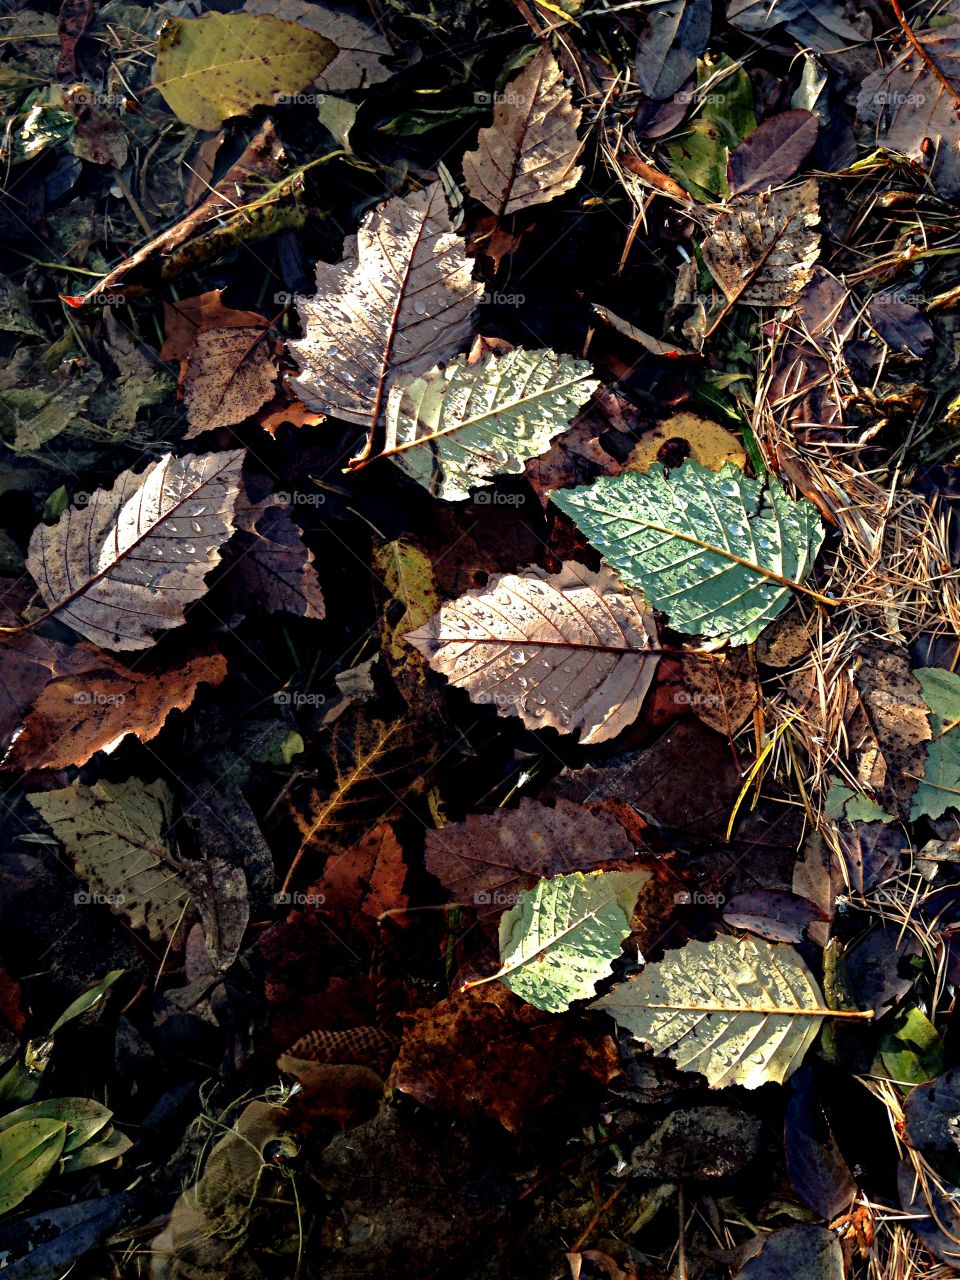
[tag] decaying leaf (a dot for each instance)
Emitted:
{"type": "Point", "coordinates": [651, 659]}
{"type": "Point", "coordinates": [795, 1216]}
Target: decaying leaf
{"type": "Point", "coordinates": [217, 66]}
{"type": "Point", "coordinates": [360, 46]}
{"type": "Point", "coordinates": [761, 249]}
{"type": "Point", "coordinates": [700, 545]}
{"type": "Point", "coordinates": [489, 857]}
{"type": "Point", "coordinates": [566, 651]}
{"type": "Point", "coordinates": [528, 154]}
{"type": "Point", "coordinates": [230, 374]}
{"type": "Point", "coordinates": [773, 152]}
{"type": "Point", "coordinates": [126, 564]}
{"type": "Point", "coordinates": [275, 567]}
{"type": "Point", "coordinates": [116, 834]}
{"type": "Point", "coordinates": [689, 436]}
{"type": "Point", "coordinates": [399, 301]}
{"type": "Point", "coordinates": [889, 729]}
{"type": "Point", "coordinates": [457, 428]}
{"type": "Point", "coordinates": [484, 1049]}
{"type": "Point", "coordinates": [738, 1010]}
{"type": "Point", "coordinates": [92, 702]}
{"type": "Point", "coordinates": [561, 937]}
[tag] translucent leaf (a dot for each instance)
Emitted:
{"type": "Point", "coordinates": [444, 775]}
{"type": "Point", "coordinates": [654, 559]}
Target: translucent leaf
{"type": "Point", "coordinates": [115, 833]}
{"type": "Point", "coordinates": [128, 562]}
{"type": "Point", "coordinates": [738, 1010]}
{"type": "Point", "coordinates": [527, 155]}
{"type": "Point", "coordinates": [400, 300]}
{"type": "Point", "coordinates": [565, 651]}
{"type": "Point", "coordinates": [561, 937]}
{"type": "Point", "coordinates": [699, 545]}
{"type": "Point", "coordinates": [28, 1153]}
{"type": "Point", "coordinates": [457, 428]}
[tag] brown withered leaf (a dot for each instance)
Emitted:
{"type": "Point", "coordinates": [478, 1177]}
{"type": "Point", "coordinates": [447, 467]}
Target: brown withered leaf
{"type": "Point", "coordinates": [127, 563]}
{"type": "Point", "coordinates": [566, 651]}
{"type": "Point", "coordinates": [231, 373]}
{"type": "Point", "coordinates": [485, 1049]}
{"type": "Point", "coordinates": [185, 320]}
{"type": "Point", "coordinates": [399, 301]}
{"type": "Point", "coordinates": [491, 854]}
{"type": "Point", "coordinates": [72, 21]}
{"type": "Point", "coordinates": [773, 152]}
{"type": "Point", "coordinates": [27, 663]}
{"type": "Point", "coordinates": [889, 729]}
{"type": "Point", "coordinates": [93, 701]}
{"type": "Point", "coordinates": [720, 690]}
{"type": "Point", "coordinates": [528, 154]}
{"type": "Point", "coordinates": [761, 249]}
{"type": "Point", "coordinates": [274, 566]}
{"type": "Point", "coordinates": [368, 877]}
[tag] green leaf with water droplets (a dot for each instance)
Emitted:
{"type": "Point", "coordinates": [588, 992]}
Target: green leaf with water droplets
{"type": "Point", "coordinates": [738, 1010]}
{"type": "Point", "coordinates": [719, 553]}
{"type": "Point", "coordinates": [561, 937]}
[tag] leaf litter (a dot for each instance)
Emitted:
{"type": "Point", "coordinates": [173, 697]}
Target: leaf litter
{"type": "Point", "coordinates": [479, 624]}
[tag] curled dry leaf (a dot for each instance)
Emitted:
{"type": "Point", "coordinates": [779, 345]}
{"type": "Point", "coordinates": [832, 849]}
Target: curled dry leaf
{"type": "Point", "coordinates": [116, 834]}
{"type": "Point", "coordinates": [455, 429]}
{"type": "Point", "coordinates": [127, 564]}
{"type": "Point", "coordinates": [762, 249]}
{"type": "Point", "coordinates": [565, 651]}
{"type": "Point", "coordinates": [92, 702]}
{"type": "Point", "coordinates": [489, 857]}
{"type": "Point", "coordinates": [527, 155]}
{"type": "Point", "coordinates": [230, 374]}
{"type": "Point", "coordinates": [400, 300]}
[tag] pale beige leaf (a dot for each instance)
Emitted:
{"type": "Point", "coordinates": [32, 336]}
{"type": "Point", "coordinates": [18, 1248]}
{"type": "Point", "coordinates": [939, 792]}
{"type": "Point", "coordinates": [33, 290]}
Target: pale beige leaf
{"type": "Point", "coordinates": [400, 300]}
{"type": "Point", "coordinates": [527, 155]}
{"type": "Point", "coordinates": [126, 564]}
{"type": "Point", "coordinates": [762, 249]}
{"type": "Point", "coordinates": [116, 834]}
{"type": "Point", "coordinates": [230, 374]}
{"type": "Point", "coordinates": [738, 1010]}
{"type": "Point", "coordinates": [565, 651]}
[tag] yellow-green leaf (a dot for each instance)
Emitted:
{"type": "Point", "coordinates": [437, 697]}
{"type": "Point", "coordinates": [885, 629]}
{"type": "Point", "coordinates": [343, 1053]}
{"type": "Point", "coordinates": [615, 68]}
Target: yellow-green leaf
{"type": "Point", "coordinates": [222, 65]}
{"type": "Point", "coordinates": [28, 1152]}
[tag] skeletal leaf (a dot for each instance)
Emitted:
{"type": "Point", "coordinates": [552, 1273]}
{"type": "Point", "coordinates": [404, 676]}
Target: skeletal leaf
{"type": "Point", "coordinates": [527, 155]}
{"type": "Point", "coordinates": [762, 249]}
{"type": "Point", "coordinates": [490, 856]}
{"type": "Point", "coordinates": [221, 65]}
{"type": "Point", "coordinates": [562, 936]}
{"type": "Point", "coordinates": [699, 544]}
{"type": "Point", "coordinates": [230, 374]}
{"type": "Point", "coordinates": [400, 300]}
{"type": "Point", "coordinates": [116, 834]}
{"type": "Point", "coordinates": [676, 34]}
{"type": "Point", "coordinates": [457, 428]}
{"type": "Point", "coordinates": [127, 563]}
{"type": "Point", "coordinates": [738, 1010]}
{"type": "Point", "coordinates": [566, 651]}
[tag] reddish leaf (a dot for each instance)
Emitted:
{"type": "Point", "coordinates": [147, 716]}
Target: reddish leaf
{"type": "Point", "coordinates": [773, 152]}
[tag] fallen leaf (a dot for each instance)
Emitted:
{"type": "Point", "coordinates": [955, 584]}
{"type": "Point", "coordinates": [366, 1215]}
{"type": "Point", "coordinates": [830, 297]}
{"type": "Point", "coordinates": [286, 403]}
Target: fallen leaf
{"type": "Point", "coordinates": [230, 374]}
{"type": "Point", "coordinates": [217, 66]}
{"type": "Point", "coordinates": [127, 563]}
{"type": "Point", "coordinates": [528, 154]}
{"type": "Point", "coordinates": [566, 651]}
{"type": "Point", "coordinates": [803, 1251]}
{"type": "Point", "coordinates": [400, 300]}
{"type": "Point", "coordinates": [274, 567]}
{"type": "Point", "coordinates": [675, 35]}
{"type": "Point", "coordinates": [360, 46]}
{"type": "Point", "coordinates": [700, 439]}
{"type": "Point", "coordinates": [773, 153]}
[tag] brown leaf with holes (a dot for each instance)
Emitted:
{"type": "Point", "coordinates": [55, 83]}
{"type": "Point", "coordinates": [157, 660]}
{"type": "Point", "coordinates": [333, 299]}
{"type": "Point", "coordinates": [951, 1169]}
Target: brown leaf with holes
{"type": "Point", "coordinates": [762, 249]}
{"type": "Point", "coordinates": [528, 155]}
{"type": "Point", "coordinates": [486, 1050]}
{"type": "Point", "coordinates": [889, 728]}
{"type": "Point", "coordinates": [565, 651]}
{"type": "Point", "coordinates": [491, 856]}
{"type": "Point", "coordinates": [231, 373]}
{"type": "Point", "coordinates": [92, 701]}
{"type": "Point", "coordinates": [400, 300]}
